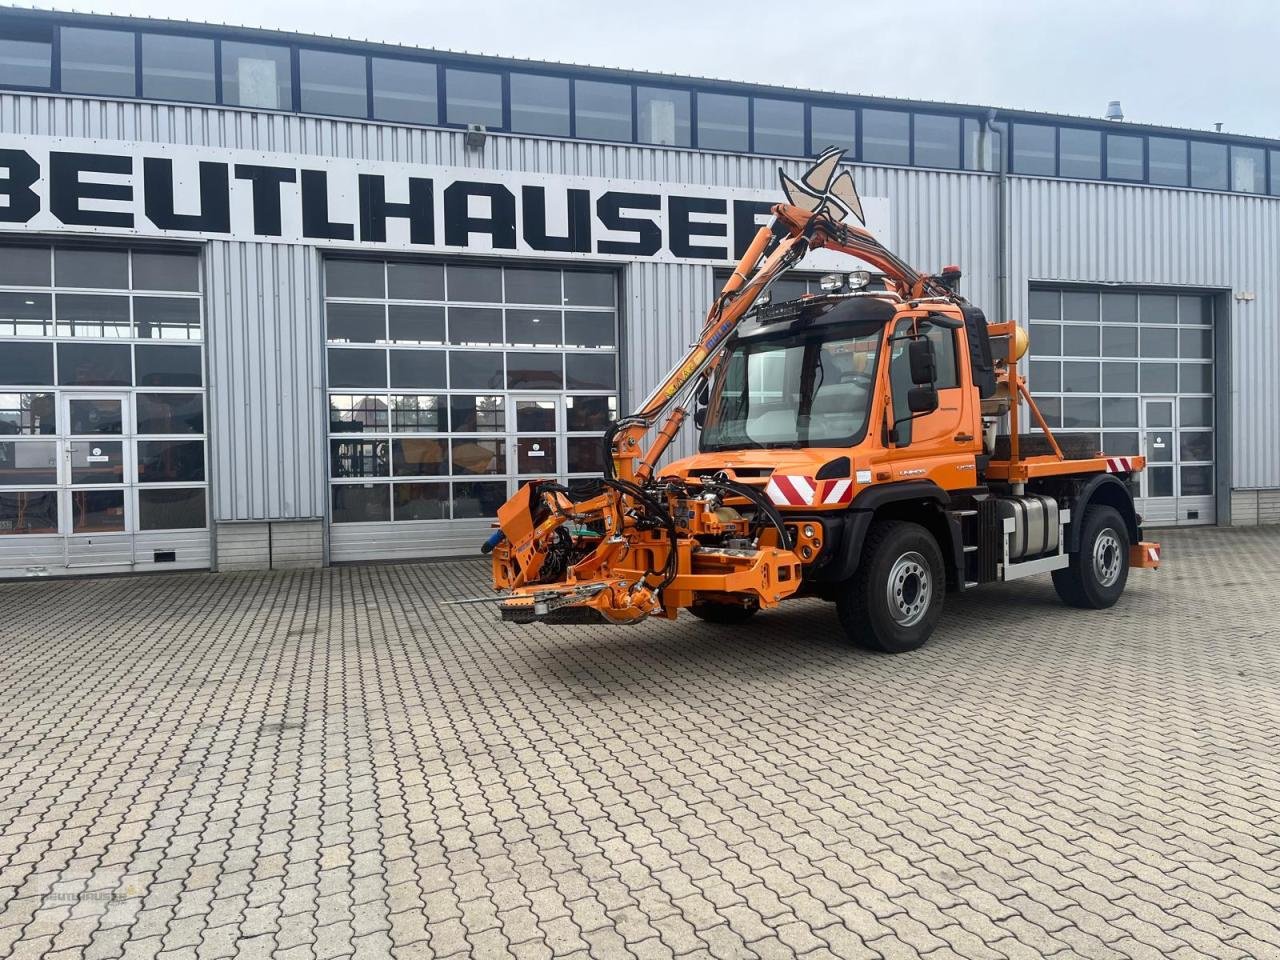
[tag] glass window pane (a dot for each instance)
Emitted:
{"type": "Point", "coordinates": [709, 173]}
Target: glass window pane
{"type": "Point", "coordinates": [26, 363]}
{"type": "Point", "coordinates": [532, 286]}
{"type": "Point", "coordinates": [1079, 341]}
{"type": "Point", "coordinates": [1196, 377]}
{"type": "Point", "coordinates": [536, 416]}
{"type": "Point", "coordinates": [1080, 412]}
{"type": "Point", "coordinates": [1196, 344]}
{"type": "Point", "coordinates": [1275, 172]}
{"type": "Point", "coordinates": [356, 413]}
{"type": "Point", "coordinates": [332, 83]}
{"type": "Point", "coordinates": [1195, 445]}
{"type": "Point", "coordinates": [1209, 165]}
{"type": "Point", "coordinates": [405, 91]}
{"type": "Point", "coordinates": [166, 318]}
{"type": "Point", "coordinates": [100, 269]}
{"type": "Point", "coordinates": [885, 137]}
{"type": "Point", "coordinates": [1195, 412]}
{"type": "Point", "coordinates": [26, 314]}
{"type": "Point", "coordinates": [602, 111]}
{"type": "Point", "coordinates": [1051, 410]}
{"type": "Point", "coordinates": [535, 371]}
{"type": "Point", "coordinates": [473, 97]}
{"type": "Point", "coordinates": [29, 414]}
{"type": "Point", "coordinates": [1079, 377]}
{"type": "Point", "coordinates": [256, 75]}
{"type": "Point", "coordinates": [474, 370]}
{"type": "Point", "coordinates": [357, 368]}
{"type": "Point", "coordinates": [97, 62]}
{"type": "Point", "coordinates": [354, 278]}
{"type": "Point", "coordinates": [1079, 153]}
{"type": "Point", "coordinates": [1045, 376]}
{"type": "Point", "coordinates": [834, 127]}
{"type": "Point", "coordinates": [473, 457]}
{"type": "Point", "coordinates": [1119, 411]}
{"type": "Point", "coordinates": [1159, 414]}
{"type": "Point", "coordinates": [415, 281]}
{"type": "Point", "coordinates": [1046, 305]}
{"type": "Point", "coordinates": [172, 509]}
{"type": "Point", "coordinates": [533, 328]}
{"type": "Point", "coordinates": [166, 271]}
{"type": "Point", "coordinates": [1119, 308]}
{"type": "Point", "coordinates": [1168, 161]}
{"type": "Point", "coordinates": [586, 455]}
{"type": "Point", "coordinates": [475, 284]}
{"type": "Point", "coordinates": [170, 461]}
{"type": "Point", "coordinates": [97, 461]}
{"type": "Point", "coordinates": [25, 267]}
{"type": "Point", "coordinates": [1124, 157]}
{"type": "Point", "coordinates": [97, 511]}
{"type": "Point", "coordinates": [482, 414]}
{"type": "Point", "coordinates": [1248, 169]}
{"type": "Point", "coordinates": [475, 326]}
{"type": "Point", "coordinates": [584, 289]}
{"type": "Point", "coordinates": [418, 369]}
{"type": "Point", "coordinates": [1159, 378]}
{"type": "Point", "coordinates": [1080, 306]}
{"type": "Point", "coordinates": [478, 498]}
{"type": "Point", "coordinates": [663, 116]}
{"type": "Point", "coordinates": [1119, 378]}
{"type": "Point", "coordinates": [1119, 341]}
{"type": "Point", "coordinates": [26, 462]}
{"type": "Point", "coordinates": [89, 416]}
{"type": "Point", "coordinates": [540, 104]}
{"type": "Point", "coordinates": [361, 503]}
{"type": "Point", "coordinates": [1046, 340]}
{"type": "Point", "coordinates": [1120, 444]}
{"type": "Point", "coordinates": [779, 127]}
{"type": "Point", "coordinates": [591, 371]}
{"type": "Point", "coordinates": [420, 501]}
{"type": "Point", "coordinates": [1197, 481]}
{"type": "Point", "coordinates": [355, 322]}
{"type": "Point", "coordinates": [165, 366]}
{"type": "Point", "coordinates": [358, 458]}
{"type": "Point", "coordinates": [29, 511]}
{"type": "Point", "coordinates": [26, 55]}
{"type": "Point", "coordinates": [419, 413]}
{"type": "Point", "coordinates": [590, 413]}
{"type": "Point", "coordinates": [536, 455]}
{"type": "Point", "coordinates": [1159, 342]}
{"type": "Point", "coordinates": [1034, 148]}
{"type": "Point", "coordinates": [1158, 308]}
{"type": "Point", "coordinates": [415, 324]}
{"type": "Point", "coordinates": [419, 457]}
{"type": "Point", "coordinates": [170, 413]}
{"type": "Point", "coordinates": [81, 315]}
{"type": "Point", "coordinates": [177, 68]}
{"type": "Point", "coordinates": [979, 144]}
{"type": "Point", "coordinates": [937, 141]}
{"type": "Point", "coordinates": [92, 364]}
{"type": "Point", "coordinates": [722, 122]}
{"type": "Point", "coordinates": [1195, 310]}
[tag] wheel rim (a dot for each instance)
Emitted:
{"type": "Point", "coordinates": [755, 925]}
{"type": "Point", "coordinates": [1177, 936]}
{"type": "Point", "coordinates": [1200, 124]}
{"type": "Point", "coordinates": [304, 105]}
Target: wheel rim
{"type": "Point", "coordinates": [909, 589]}
{"type": "Point", "coordinates": [1107, 558]}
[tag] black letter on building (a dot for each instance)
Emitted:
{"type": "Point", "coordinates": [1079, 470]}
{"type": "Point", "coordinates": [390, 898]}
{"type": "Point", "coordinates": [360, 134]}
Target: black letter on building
{"type": "Point", "coordinates": [266, 195]}
{"type": "Point", "coordinates": [16, 187]}
{"type": "Point", "coordinates": [420, 211]}
{"type": "Point", "coordinates": [609, 211]}
{"type": "Point", "coordinates": [315, 210]}
{"type": "Point", "coordinates": [534, 209]}
{"type": "Point", "coordinates": [459, 224]}
{"type": "Point", "coordinates": [682, 229]}
{"type": "Point", "coordinates": [215, 197]}
{"type": "Point", "coordinates": [745, 224]}
{"type": "Point", "coordinates": [66, 190]}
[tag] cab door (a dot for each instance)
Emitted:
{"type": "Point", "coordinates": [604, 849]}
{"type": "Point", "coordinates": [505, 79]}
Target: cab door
{"type": "Point", "coordinates": [944, 434]}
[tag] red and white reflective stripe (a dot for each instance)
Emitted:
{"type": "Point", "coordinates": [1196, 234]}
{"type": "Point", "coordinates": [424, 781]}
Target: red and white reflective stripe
{"type": "Point", "coordinates": [1153, 554]}
{"type": "Point", "coordinates": [1119, 465]}
{"type": "Point", "coordinates": [837, 491]}
{"type": "Point", "coordinates": [790, 491]}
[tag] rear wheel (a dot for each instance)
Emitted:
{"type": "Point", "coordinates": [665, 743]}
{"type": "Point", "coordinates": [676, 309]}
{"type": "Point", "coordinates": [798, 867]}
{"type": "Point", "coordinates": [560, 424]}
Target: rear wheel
{"type": "Point", "coordinates": [895, 599]}
{"type": "Point", "coordinates": [1096, 575]}
{"type": "Point", "coordinates": [726, 613]}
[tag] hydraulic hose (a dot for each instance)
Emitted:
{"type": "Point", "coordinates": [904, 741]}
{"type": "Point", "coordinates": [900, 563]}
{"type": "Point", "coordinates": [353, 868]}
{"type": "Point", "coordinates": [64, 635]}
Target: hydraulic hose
{"type": "Point", "coordinates": [762, 504]}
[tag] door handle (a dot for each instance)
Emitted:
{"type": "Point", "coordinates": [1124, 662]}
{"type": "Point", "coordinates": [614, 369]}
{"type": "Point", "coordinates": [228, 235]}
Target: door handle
{"type": "Point", "coordinates": [963, 438]}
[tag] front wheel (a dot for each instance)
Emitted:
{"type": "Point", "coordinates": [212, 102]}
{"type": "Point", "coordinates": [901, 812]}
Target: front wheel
{"type": "Point", "coordinates": [895, 599]}
{"type": "Point", "coordinates": [1096, 575]}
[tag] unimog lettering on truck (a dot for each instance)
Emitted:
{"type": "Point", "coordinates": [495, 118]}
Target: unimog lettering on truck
{"type": "Point", "coordinates": [849, 450]}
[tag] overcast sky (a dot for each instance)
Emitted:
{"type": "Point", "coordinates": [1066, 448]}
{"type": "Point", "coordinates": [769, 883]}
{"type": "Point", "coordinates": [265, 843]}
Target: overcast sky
{"type": "Point", "coordinates": [1172, 62]}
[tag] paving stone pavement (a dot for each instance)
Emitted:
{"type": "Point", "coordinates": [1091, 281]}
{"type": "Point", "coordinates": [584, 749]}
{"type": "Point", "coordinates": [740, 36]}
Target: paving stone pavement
{"type": "Point", "coordinates": [330, 764]}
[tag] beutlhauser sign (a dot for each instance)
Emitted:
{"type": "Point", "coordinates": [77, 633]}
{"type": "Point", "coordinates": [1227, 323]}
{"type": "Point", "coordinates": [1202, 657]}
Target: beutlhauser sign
{"type": "Point", "coordinates": [57, 185]}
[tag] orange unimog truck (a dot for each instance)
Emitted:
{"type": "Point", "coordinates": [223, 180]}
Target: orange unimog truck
{"type": "Point", "coordinates": [850, 450]}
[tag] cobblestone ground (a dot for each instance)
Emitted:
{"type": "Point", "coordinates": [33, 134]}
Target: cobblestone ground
{"type": "Point", "coordinates": [329, 763]}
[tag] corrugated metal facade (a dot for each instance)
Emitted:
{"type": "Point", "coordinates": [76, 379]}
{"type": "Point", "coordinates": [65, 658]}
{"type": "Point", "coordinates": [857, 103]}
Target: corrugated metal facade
{"type": "Point", "coordinates": [265, 313]}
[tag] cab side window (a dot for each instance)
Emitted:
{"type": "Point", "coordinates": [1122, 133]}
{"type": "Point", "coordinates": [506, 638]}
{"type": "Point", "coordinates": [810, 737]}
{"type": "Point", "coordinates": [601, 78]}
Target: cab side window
{"type": "Point", "coordinates": [944, 354]}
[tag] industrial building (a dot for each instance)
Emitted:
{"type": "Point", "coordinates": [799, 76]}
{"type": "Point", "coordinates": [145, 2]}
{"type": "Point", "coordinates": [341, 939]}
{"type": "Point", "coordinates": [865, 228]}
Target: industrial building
{"type": "Point", "coordinates": [273, 300]}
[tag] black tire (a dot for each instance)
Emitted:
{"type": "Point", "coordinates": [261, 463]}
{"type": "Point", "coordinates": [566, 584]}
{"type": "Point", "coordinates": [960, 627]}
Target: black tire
{"type": "Point", "coordinates": [1095, 578]}
{"type": "Point", "coordinates": [729, 614]}
{"type": "Point", "coordinates": [908, 554]}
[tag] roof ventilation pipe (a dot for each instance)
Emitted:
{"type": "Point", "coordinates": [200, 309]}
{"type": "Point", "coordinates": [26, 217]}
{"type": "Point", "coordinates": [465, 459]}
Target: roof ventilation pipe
{"type": "Point", "coordinates": [1113, 111]}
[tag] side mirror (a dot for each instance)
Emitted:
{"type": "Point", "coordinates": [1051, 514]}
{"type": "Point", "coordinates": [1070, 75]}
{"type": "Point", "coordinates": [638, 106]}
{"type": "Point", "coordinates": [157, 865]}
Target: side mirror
{"type": "Point", "coordinates": [923, 399]}
{"type": "Point", "coordinates": [699, 416]}
{"type": "Point", "coordinates": [920, 356]}
{"type": "Point", "coordinates": [700, 404]}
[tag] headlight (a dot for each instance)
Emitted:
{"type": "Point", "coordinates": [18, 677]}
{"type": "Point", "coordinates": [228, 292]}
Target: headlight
{"type": "Point", "coordinates": [807, 529]}
{"type": "Point", "coordinates": [831, 282]}
{"type": "Point", "coordinates": [859, 279]}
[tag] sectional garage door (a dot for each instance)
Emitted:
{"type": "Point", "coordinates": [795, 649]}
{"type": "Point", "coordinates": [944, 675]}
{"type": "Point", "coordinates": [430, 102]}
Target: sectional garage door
{"type": "Point", "coordinates": [1133, 369]}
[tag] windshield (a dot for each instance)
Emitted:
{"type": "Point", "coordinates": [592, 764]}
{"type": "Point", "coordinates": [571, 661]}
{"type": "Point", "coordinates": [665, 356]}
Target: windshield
{"type": "Point", "coordinates": [810, 389]}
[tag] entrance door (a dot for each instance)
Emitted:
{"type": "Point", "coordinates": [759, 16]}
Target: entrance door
{"type": "Point", "coordinates": [1159, 492]}
{"type": "Point", "coordinates": [537, 442]}
{"type": "Point", "coordinates": [97, 483]}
